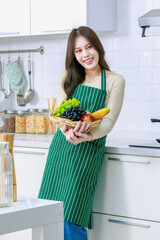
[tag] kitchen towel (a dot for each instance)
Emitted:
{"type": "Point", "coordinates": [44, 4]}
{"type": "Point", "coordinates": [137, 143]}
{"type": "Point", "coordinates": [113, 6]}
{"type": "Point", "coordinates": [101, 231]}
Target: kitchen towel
{"type": "Point", "coordinates": [15, 75]}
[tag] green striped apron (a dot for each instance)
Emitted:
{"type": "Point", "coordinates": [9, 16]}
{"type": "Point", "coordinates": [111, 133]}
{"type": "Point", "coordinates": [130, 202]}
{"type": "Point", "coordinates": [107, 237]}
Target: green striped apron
{"type": "Point", "coordinates": [71, 171]}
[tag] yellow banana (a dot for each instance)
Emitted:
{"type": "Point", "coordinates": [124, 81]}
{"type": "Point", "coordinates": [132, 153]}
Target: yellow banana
{"type": "Point", "coordinates": [100, 113]}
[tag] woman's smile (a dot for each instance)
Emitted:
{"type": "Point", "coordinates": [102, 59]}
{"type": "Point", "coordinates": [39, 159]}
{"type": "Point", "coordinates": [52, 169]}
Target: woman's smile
{"type": "Point", "coordinates": [89, 60]}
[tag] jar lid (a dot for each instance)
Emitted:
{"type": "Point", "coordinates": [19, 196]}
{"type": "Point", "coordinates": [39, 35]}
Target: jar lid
{"type": "Point", "coordinates": [9, 111]}
{"type": "Point", "coordinates": [33, 110]}
{"type": "Point", "coordinates": [4, 147]}
{"type": "Point", "coordinates": [21, 112]}
{"type": "Point", "coordinates": [43, 110]}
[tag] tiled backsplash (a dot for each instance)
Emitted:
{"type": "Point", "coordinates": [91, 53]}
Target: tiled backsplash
{"type": "Point", "coordinates": [136, 58]}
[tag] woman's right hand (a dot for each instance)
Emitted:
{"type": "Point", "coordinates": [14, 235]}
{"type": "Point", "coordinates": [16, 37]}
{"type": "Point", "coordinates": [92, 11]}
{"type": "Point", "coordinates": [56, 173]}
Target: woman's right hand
{"type": "Point", "coordinates": [78, 134]}
{"type": "Point", "coordinates": [82, 127]}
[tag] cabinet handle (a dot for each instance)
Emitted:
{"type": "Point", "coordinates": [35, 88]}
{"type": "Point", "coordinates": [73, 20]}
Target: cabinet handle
{"type": "Point", "coordinates": [62, 30]}
{"type": "Point", "coordinates": [8, 33]}
{"type": "Point", "coordinates": [123, 160]}
{"type": "Point", "coordinates": [29, 152]}
{"type": "Point", "coordinates": [129, 223]}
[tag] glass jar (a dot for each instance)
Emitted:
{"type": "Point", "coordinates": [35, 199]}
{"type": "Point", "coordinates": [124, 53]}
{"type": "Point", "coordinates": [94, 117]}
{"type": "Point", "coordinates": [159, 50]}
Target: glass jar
{"type": "Point", "coordinates": [9, 121]}
{"type": "Point", "coordinates": [6, 175]}
{"type": "Point", "coordinates": [20, 121]}
{"type": "Point", "coordinates": [30, 121]}
{"type": "Point", "coordinates": [1, 122]}
{"type": "Point", "coordinates": [41, 121]}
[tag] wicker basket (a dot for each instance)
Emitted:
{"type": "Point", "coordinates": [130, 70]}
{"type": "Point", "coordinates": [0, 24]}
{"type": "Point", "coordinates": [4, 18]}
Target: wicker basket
{"type": "Point", "coordinates": [60, 122]}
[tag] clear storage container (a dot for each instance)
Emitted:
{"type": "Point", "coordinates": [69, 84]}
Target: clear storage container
{"type": "Point", "coordinates": [9, 121]}
{"type": "Point", "coordinates": [30, 121]}
{"type": "Point", "coordinates": [20, 121]}
{"type": "Point", "coordinates": [6, 175]}
{"type": "Point", "coordinates": [41, 121]}
{"type": "Point", "coordinates": [1, 122]}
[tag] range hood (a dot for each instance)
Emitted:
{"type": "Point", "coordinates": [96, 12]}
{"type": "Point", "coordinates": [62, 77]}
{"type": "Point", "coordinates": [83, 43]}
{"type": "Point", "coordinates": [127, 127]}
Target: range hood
{"type": "Point", "coordinates": [150, 23]}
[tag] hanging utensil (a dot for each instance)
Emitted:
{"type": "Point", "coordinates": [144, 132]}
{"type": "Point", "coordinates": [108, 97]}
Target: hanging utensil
{"type": "Point", "coordinates": [9, 91]}
{"type": "Point", "coordinates": [20, 97]}
{"type": "Point", "coordinates": [30, 93]}
{"type": "Point", "coordinates": [2, 95]}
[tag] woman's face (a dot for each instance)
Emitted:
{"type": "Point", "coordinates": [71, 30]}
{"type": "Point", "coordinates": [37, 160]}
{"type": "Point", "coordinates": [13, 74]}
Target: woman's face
{"type": "Point", "coordinates": [85, 53]}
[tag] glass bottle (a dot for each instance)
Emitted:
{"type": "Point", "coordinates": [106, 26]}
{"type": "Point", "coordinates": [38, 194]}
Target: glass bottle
{"type": "Point", "coordinates": [6, 175]}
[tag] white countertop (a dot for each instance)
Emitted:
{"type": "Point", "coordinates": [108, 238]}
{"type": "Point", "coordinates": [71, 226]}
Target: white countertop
{"type": "Point", "coordinates": [117, 142]}
{"type": "Point", "coordinates": [33, 140]}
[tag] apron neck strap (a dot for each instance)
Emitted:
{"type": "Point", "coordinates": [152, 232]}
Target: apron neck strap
{"type": "Point", "coordinates": [103, 80]}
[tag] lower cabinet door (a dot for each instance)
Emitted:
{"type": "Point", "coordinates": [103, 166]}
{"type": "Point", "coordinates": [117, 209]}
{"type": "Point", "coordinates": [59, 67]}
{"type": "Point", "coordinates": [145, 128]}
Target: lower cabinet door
{"type": "Point", "coordinates": [29, 167]}
{"type": "Point", "coordinates": [107, 227]}
{"type": "Point", "coordinates": [128, 186]}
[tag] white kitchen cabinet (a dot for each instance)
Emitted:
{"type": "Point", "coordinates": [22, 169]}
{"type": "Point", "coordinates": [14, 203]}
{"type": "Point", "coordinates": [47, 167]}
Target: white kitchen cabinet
{"type": "Point", "coordinates": [51, 16]}
{"type": "Point", "coordinates": [15, 18]}
{"type": "Point", "coordinates": [127, 192]}
{"type": "Point", "coordinates": [38, 17]}
{"type": "Point", "coordinates": [29, 167]}
{"type": "Point", "coordinates": [107, 227]}
{"type": "Point", "coordinates": [129, 186]}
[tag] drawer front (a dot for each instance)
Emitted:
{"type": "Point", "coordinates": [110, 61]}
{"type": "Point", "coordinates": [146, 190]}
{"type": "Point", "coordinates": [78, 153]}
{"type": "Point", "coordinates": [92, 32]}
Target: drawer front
{"type": "Point", "coordinates": [129, 186]}
{"type": "Point", "coordinates": [107, 227]}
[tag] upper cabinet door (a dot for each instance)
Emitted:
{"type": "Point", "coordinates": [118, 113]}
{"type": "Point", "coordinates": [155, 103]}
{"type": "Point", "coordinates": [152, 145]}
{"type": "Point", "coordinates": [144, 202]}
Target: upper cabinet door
{"type": "Point", "coordinates": [14, 18]}
{"type": "Point", "coordinates": [52, 16]}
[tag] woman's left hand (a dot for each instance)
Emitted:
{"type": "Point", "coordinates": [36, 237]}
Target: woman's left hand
{"type": "Point", "coordinates": [77, 137]}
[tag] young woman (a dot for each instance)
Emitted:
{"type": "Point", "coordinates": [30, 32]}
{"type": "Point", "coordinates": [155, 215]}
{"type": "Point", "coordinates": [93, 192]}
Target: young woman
{"type": "Point", "coordinates": [75, 155]}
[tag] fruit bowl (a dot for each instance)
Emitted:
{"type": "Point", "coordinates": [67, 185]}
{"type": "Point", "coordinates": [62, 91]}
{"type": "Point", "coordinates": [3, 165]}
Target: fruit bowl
{"type": "Point", "coordinates": [60, 122]}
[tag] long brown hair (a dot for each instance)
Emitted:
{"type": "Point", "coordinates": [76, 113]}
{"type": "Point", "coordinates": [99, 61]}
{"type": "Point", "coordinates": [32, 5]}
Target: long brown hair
{"type": "Point", "coordinates": [75, 71]}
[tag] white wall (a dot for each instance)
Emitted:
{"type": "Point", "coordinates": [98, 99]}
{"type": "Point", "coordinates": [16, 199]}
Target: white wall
{"type": "Point", "coordinates": [136, 58]}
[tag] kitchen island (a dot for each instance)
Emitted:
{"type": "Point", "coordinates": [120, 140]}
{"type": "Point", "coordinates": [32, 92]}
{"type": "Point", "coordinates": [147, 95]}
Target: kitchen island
{"type": "Point", "coordinates": [44, 217]}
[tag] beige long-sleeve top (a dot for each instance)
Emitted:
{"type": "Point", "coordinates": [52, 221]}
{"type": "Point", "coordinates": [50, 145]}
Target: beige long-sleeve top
{"type": "Point", "coordinates": [115, 85]}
